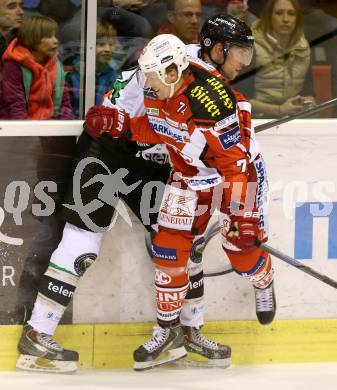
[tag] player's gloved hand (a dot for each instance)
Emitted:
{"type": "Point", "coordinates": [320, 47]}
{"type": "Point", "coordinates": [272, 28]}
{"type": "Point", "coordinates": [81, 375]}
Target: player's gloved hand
{"type": "Point", "coordinates": [243, 232]}
{"type": "Point", "coordinates": [100, 119]}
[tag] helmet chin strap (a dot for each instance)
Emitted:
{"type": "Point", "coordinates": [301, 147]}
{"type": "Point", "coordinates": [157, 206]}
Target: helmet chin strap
{"type": "Point", "coordinates": [171, 90]}
{"type": "Point", "coordinates": [225, 53]}
{"type": "Point", "coordinates": [218, 64]}
{"type": "Point", "coordinates": [171, 85]}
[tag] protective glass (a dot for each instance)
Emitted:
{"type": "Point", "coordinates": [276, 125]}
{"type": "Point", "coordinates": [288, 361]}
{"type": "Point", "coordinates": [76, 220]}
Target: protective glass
{"type": "Point", "coordinates": [242, 54]}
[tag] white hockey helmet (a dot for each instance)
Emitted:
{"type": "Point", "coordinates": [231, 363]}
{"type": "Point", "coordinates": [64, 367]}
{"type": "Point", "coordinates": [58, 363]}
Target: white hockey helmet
{"type": "Point", "coordinates": [161, 52]}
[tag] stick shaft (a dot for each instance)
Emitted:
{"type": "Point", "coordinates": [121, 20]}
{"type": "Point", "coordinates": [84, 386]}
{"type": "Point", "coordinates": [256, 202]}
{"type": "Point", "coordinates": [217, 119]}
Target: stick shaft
{"type": "Point", "coordinates": [295, 263]}
{"type": "Point", "coordinates": [297, 115]}
{"type": "Point", "coordinates": [225, 271]}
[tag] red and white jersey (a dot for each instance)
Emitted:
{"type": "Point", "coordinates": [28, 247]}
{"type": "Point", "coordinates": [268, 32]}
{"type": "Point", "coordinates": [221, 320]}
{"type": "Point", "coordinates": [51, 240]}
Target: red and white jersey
{"type": "Point", "coordinates": [128, 94]}
{"type": "Point", "coordinates": [201, 128]}
{"type": "Point", "coordinates": [245, 112]}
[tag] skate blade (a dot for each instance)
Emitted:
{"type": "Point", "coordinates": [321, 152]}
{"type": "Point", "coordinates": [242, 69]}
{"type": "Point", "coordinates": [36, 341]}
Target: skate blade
{"type": "Point", "coordinates": [196, 360]}
{"type": "Point", "coordinates": [38, 364]}
{"type": "Point", "coordinates": [164, 358]}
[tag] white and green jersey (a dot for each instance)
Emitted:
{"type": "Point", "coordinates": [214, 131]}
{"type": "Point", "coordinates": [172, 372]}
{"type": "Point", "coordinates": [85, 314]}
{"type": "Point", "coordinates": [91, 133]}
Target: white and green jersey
{"type": "Point", "coordinates": [128, 94]}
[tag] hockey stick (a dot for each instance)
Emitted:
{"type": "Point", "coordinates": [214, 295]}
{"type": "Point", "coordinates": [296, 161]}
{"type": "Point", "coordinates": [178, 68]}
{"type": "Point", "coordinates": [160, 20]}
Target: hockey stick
{"type": "Point", "coordinates": [300, 114]}
{"type": "Point", "coordinates": [228, 269]}
{"type": "Point", "coordinates": [214, 230]}
{"type": "Point", "coordinates": [297, 264]}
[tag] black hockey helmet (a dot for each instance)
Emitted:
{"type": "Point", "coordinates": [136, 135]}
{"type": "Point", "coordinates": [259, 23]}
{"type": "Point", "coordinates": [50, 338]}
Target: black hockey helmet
{"type": "Point", "coordinates": [227, 30]}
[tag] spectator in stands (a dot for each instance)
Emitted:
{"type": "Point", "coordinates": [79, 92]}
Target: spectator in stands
{"type": "Point", "coordinates": [30, 3]}
{"type": "Point", "coordinates": [282, 61]}
{"type": "Point", "coordinates": [33, 87]}
{"type": "Point", "coordinates": [33, 84]}
{"type": "Point", "coordinates": [212, 7]}
{"type": "Point", "coordinates": [184, 18]}
{"type": "Point", "coordinates": [105, 74]}
{"type": "Point", "coordinates": [67, 14]}
{"type": "Point", "coordinates": [126, 16]}
{"type": "Point", "coordinates": [133, 29]}
{"type": "Point", "coordinates": [156, 11]}
{"type": "Point", "coordinates": [239, 9]}
{"type": "Point", "coordinates": [317, 21]}
{"type": "Point", "coordinates": [11, 16]}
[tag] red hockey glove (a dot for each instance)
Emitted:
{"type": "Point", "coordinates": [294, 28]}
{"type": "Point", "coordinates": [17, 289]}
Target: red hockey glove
{"type": "Point", "coordinates": [100, 119]}
{"type": "Point", "coordinates": [243, 232]}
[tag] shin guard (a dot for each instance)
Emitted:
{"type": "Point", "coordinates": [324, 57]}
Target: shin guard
{"type": "Point", "coordinates": [171, 292]}
{"type": "Point", "coordinates": [55, 292]}
{"type": "Point", "coordinates": [77, 250]}
{"type": "Point", "coordinates": [262, 274]}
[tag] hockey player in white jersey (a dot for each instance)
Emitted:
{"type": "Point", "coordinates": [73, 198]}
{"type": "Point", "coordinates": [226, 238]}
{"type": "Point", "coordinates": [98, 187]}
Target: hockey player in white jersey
{"type": "Point", "coordinates": [69, 261]}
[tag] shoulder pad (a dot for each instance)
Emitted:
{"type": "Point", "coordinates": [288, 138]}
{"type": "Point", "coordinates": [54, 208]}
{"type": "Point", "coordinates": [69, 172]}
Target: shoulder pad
{"type": "Point", "coordinates": [210, 98]}
{"type": "Point", "coordinates": [120, 84]}
{"type": "Point", "coordinates": [196, 62]}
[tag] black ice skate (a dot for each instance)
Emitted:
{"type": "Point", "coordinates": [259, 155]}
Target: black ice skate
{"type": "Point", "coordinates": [166, 345]}
{"type": "Point", "coordinates": [204, 351]}
{"type": "Point", "coordinates": [265, 304]}
{"type": "Point", "coordinates": [40, 352]}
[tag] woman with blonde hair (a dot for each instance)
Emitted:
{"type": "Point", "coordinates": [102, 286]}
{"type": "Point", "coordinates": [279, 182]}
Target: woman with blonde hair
{"type": "Point", "coordinates": [282, 82]}
{"type": "Point", "coordinates": [33, 79]}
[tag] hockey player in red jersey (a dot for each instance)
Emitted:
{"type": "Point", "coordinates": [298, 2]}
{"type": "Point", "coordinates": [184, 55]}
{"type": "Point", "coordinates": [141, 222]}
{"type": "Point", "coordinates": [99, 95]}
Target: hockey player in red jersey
{"type": "Point", "coordinates": [196, 115]}
{"type": "Point", "coordinates": [140, 159]}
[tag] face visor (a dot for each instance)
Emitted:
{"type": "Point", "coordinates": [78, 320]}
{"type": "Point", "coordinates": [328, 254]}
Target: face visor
{"type": "Point", "coordinates": [141, 80]}
{"type": "Point", "coordinates": [243, 54]}
{"type": "Point", "coordinates": [140, 76]}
